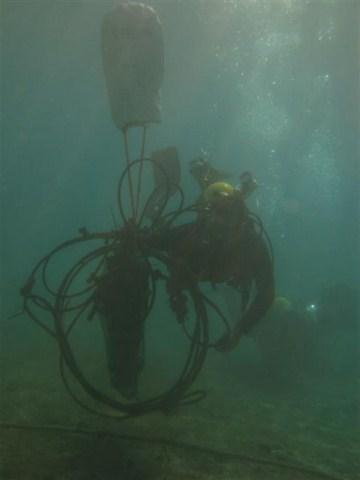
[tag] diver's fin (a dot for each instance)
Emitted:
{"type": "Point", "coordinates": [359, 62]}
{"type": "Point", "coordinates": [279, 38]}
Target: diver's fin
{"type": "Point", "coordinates": [167, 175]}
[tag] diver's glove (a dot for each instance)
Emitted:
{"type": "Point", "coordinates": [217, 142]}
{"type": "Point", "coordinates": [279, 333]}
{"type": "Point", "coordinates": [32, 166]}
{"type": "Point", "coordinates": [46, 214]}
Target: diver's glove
{"type": "Point", "coordinates": [228, 342]}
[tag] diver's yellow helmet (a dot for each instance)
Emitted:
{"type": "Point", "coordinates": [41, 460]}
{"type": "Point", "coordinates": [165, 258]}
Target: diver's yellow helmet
{"type": "Point", "coordinates": [218, 190]}
{"type": "Point", "coordinates": [223, 206]}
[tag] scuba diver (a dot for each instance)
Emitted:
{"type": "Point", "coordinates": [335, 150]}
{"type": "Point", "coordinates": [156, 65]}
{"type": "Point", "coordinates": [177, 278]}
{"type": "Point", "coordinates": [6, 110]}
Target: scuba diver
{"type": "Point", "coordinates": [223, 245]}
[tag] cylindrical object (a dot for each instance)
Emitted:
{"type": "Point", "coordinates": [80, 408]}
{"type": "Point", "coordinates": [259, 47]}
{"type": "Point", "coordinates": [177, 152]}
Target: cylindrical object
{"type": "Point", "coordinates": [133, 59]}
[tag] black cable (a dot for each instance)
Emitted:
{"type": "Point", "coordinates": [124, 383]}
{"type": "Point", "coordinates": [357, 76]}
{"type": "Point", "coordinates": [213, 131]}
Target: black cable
{"type": "Point", "coordinates": [150, 198]}
{"type": "Point", "coordinates": [174, 215]}
{"type": "Point", "coordinates": [167, 185]}
{"type": "Point", "coordinates": [220, 314]}
{"type": "Point", "coordinates": [160, 217]}
{"type": "Point", "coordinates": [264, 233]}
{"type": "Point", "coordinates": [85, 236]}
{"type": "Point", "coordinates": [82, 404]}
{"type": "Point", "coordinates": [219, 455]}
{"type": "Point", "coordinates": [191, 368]}
{"type": "Point", "coordinates": [126, 174]}
{"type": "Point", "coordinates": [34, 318]}
{"type": "Point", "coordinates": [139, 180]}
{"type": "Point", "coordinates": [130, 183]}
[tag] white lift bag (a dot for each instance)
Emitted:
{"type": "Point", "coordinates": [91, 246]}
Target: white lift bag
{"type": "Point", "coordinates": [133, 59]}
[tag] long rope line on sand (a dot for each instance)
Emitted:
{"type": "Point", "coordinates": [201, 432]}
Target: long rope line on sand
{"type": "Point", "coordinates": [221, 456]}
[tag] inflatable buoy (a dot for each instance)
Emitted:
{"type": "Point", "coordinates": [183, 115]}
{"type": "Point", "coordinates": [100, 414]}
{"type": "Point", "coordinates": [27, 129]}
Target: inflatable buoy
{"type": "Point", "coordinates": [133, 59]}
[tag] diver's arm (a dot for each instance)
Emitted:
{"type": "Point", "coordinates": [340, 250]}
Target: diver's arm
{"type": "Point", "coordinates": [263, 275]}
{"type": "Point", "coordinates": [265, 290]}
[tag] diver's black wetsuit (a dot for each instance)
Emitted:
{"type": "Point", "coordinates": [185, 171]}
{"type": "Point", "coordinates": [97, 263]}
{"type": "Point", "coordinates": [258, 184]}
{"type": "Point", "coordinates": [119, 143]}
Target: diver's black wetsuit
{"type": "Point", "coordinates": [240, 261]}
